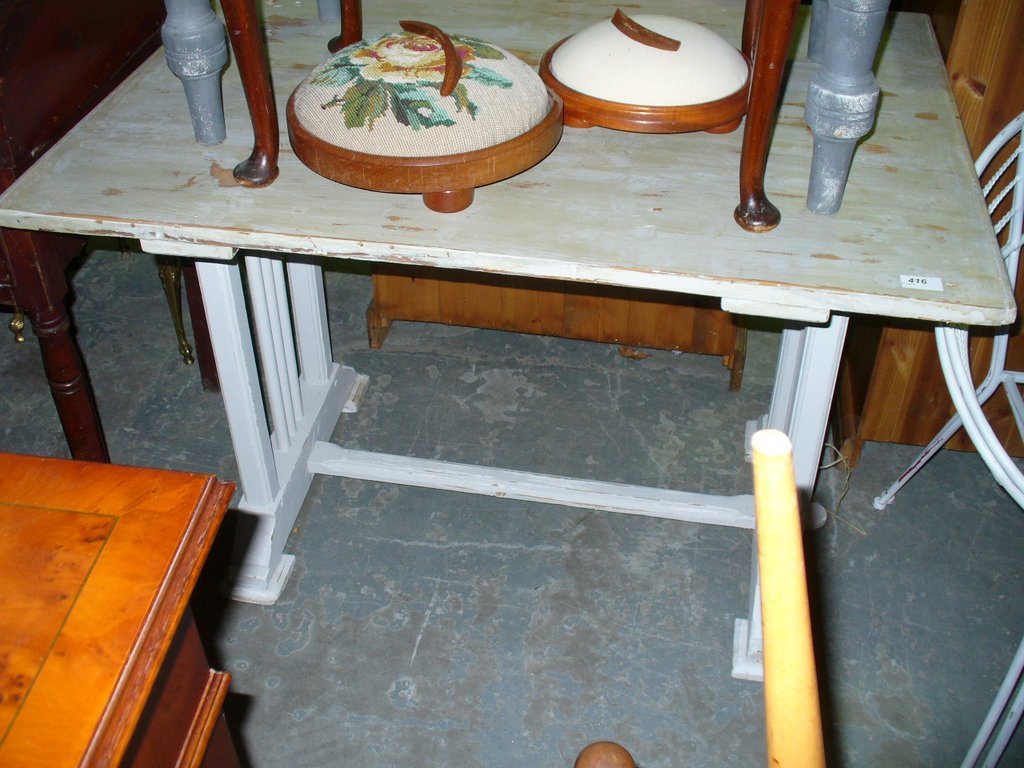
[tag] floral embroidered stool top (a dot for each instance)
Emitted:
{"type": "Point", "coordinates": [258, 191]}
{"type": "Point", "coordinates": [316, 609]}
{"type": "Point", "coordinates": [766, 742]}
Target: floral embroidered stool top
{"type": "Point", "coordinates": [394, 97]}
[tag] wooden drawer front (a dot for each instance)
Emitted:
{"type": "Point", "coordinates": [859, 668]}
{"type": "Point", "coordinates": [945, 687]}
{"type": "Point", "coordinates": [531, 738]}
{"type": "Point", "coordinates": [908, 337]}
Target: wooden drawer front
{"type": "Point", "coordinates": [183, 713]}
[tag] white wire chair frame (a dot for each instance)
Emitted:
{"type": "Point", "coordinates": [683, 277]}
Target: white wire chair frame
{"type": "Point", "coordinates": [1005, 713]}
{"type": "Point", "coordinates": [1001, 720]}
{"type": "Point", "coordinates": [953, 342]}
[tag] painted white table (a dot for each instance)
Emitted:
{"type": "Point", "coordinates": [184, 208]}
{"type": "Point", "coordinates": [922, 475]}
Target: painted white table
{"type": "Point", "coordinates": [912, 240]}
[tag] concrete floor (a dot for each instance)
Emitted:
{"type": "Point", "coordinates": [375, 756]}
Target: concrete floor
{"type": "Point", "coordinates": [430, 628]}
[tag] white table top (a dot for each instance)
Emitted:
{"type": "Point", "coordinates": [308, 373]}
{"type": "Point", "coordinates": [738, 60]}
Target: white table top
{"type": "Point", "coordinates": [605, 207]}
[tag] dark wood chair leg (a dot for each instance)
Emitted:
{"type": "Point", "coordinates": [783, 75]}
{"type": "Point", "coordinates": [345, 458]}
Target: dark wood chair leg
{"type": "Point", "coordinates": [69, 385]}
{"type": "Point", "coordinates": [771, 23]}
{"type": "Point", "coordinates": [751, 23]}
{"type": "Point", "coordinates": [200, 328]}
{"type": "Point", "coordinates": [37, 263]}
{"type": "Point", "coordinates": [351, 26]}
{"type": "Point", "coordinates": [244, 31]}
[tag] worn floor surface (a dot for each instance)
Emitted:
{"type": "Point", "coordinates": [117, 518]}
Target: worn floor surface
{"type": "Point", "coordinates": [425, 628]}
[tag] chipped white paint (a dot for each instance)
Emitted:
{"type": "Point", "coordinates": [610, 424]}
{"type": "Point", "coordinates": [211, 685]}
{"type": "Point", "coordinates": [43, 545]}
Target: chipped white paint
{"type": "Point", "coordinates": [735, 511]}
{"type": "Point", "coordinates": [162, 247]}
{"type": "Point", "coordinates": [767, 309]}
{"type": "Point", "coordinates": [912, 208]}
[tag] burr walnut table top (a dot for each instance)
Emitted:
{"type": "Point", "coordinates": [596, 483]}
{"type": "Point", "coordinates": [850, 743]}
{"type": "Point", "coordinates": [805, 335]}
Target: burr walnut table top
{"type": "Point", "coordinates": [97, 563]}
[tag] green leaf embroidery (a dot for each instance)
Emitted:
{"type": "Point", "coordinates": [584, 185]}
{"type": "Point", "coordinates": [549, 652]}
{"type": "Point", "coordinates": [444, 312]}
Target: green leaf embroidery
{"type": "Point", "coordinates": [338, 72]}
{"type": "Point", "coordinates": [363, 103]}
{"type": "Point", "coordinates": [486, 77]}
{"type": "Point", "coordinates": [462, 101]}
{"type": "Point", "coordinates": [480, 49]}
{"type": "Point", "coordinates": [417, 107]}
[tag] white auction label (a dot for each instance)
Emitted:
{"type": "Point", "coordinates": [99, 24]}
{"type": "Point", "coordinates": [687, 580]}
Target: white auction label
{"type": "Point", "coordinates": [921, 283]}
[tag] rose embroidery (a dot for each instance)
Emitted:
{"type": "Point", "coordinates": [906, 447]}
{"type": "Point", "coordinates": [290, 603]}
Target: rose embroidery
{"type": "Point", "coordinates": [403, 73]}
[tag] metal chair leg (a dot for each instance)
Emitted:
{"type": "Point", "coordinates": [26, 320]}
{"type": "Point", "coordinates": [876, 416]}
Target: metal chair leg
{"type": "Point", "coordinates": [993, 734]}
{"type": "Point", "coordinates": [170, 277]}
{"type": "Point", "coordinates": [17, 325]}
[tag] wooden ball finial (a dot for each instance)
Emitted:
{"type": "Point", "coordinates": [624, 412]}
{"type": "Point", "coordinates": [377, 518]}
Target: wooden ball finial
{"type": "Point", "coordinates": [604, 754]}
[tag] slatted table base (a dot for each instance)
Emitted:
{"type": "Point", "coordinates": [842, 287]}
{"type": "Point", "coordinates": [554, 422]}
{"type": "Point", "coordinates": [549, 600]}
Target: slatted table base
{"type": "Point", "coordinates": [284, 394]}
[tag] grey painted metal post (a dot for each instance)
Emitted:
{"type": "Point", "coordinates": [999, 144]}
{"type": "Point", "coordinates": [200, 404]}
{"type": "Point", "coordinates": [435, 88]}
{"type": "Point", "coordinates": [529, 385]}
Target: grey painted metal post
{"type": "Point", "coordinates": [329, 10]}
{"type": "Point", "coordinates": [195, 45]}
{"type": "Point", "coordinates": [842, 96]}
{"type": "Point", "coordinates": [816, 39]}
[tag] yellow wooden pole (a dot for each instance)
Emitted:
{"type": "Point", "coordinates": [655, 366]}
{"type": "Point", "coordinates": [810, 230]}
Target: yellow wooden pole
{"type": "Point", "coordinates": [792, 709]}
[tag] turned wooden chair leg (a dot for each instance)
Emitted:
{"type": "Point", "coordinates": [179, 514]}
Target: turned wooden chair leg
{"type": "Point", "coordinates": [351, 26]}
{"type": "Point", "coordinates": [768, 28]}
{"type": "Point", "coordinates": [244, 31]}
{"type": "Point", "coordinates": [751, 21]}
{"type": "Point", "coordinates": [69, 385]}
{"type": "Point", "coordinates": [40, 289]}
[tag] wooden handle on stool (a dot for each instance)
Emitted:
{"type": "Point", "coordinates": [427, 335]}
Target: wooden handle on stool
{"type": "Point", "coordinates": [641, 34]}
{"type": "Point", "coordinates": [452, 60]}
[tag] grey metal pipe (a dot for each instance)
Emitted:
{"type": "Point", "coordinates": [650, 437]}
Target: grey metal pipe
{"type": "Point", "coordinates": [842, 97]}
{"type": "Point", "coordinates": [329, 10]}
{"type": "Point", "coordinates": [195, 46]}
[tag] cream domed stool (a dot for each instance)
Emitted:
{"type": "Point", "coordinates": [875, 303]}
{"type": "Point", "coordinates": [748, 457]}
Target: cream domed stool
{"type": "Point", "coordinates": [422, 112]}
{"type": "Point", "coordinates": [649, 74]}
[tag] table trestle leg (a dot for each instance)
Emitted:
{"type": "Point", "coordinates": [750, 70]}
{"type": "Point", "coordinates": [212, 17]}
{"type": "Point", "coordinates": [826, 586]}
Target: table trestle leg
{"type": "Point", "coordinates": [305, 392]}
{"type": "Point", "coordinates": [805, 381]}
{"type": "Point", "coordinates": [309, 308]}
{"type": "Point", "coordinates": [268, 294]}
{"type": "Point", "coordinates": [748, 634]}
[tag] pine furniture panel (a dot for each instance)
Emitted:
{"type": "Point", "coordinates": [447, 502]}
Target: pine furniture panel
{"type": "Point", "coordinates": [632, 318]}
